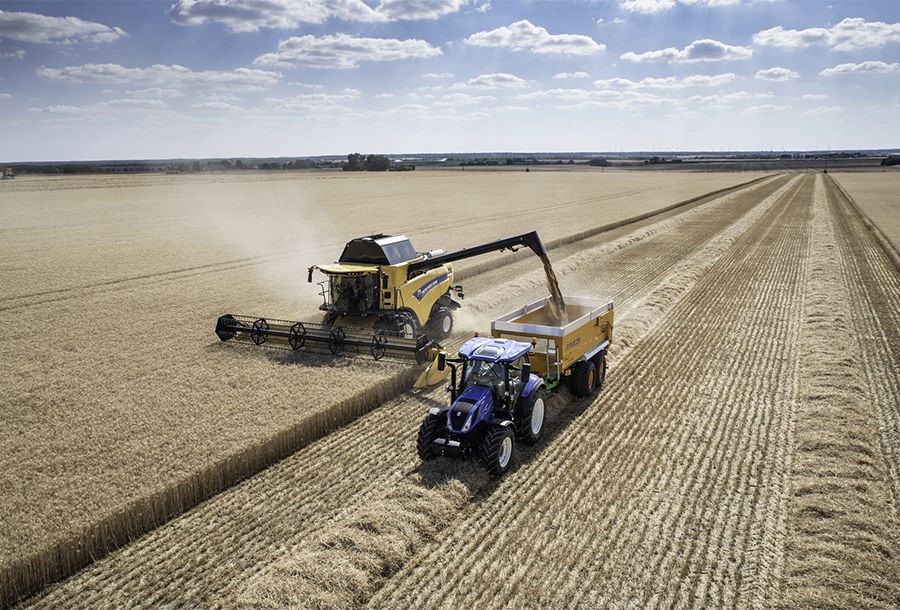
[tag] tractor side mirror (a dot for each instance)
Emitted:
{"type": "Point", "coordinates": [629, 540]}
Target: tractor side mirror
{"type": "Point", "coordinates": [442, 361]}
{"type": "Point", "coordinates": [526, 372]}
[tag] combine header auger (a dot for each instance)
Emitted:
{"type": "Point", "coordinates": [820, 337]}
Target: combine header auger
{"type": "Point", "coordinates": [381, 297]}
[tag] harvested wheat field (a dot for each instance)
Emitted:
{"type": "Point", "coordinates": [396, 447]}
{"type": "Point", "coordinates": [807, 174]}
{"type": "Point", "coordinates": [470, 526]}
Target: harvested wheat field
{"type": "Point", "coordinates": [744, 451]}
{"type": "Point", "coordinates": [121, 409]}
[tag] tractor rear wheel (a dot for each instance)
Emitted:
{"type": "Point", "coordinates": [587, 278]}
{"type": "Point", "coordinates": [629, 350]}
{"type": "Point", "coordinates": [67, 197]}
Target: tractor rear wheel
{"type": "Point", "coordinates": [497, 449]}
{"type": "Point", "coordinates": [428, 431]}
{"type": "Point", "coordinates": [584, 378]}
{"type": "Point", "coordinates": [531, 415]}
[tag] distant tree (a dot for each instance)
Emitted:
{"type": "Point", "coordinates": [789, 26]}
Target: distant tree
{"type": "Point", "coordinates": [377, 163]}
{"type": "Point", "coordinates": [195, 166]}
{"type": "Point", "coordinates": [226, 164]}
{"type": "Point", "coordinates": [891, 160]}
{"type": "Point", "coordinates": [598, 162]}
{"type": "Point", "coordinates": [355, 163]}
{"type": "Point", "coordinates": [238, 164]}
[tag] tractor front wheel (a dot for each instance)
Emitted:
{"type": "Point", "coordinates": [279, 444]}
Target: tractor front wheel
{"type": "Point", "coordinates": [530, 421]}
{"type": "Point", "coordinates": [497, 449]}
{"type": "Point", "coordinates": [584, 378]}
{"type": "Point", "coordinates": [428, 431]}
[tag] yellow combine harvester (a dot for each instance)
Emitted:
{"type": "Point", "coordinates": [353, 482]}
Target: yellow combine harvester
{"type": "Point", "coordinates": [381, 294]}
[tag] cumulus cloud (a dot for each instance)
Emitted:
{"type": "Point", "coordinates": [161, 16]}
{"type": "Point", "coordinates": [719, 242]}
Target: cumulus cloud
{"type": "Point", "coordinates": [525, 36]}
{"type": "Point", "coordinates": [314, 101]}
{"type": "Point", "coordinates": [765, 108]}
{"type": "Point", "coordinates": [776, 74]}
{"type": "Point", "coordinates": [437, 75]}
{"type": "Point", "coordinates": [163, 77]}
{"type": "Point", "coordinates": [850, 34]}
{"type": "Point", "coordinates": [870, 67]}
{"type": "Point", "coordinates": [699, 50]}
{"type": "Point", "coordinates": [17, 54]}
{"type": "Point", "coordinates": [814, 96]}
{"type": "Point", "coordinates": [669, 82]}
{"type": "Point", "coordinates": [566, 75]}
{"type": "Point", "coordinates": [5, 96]}
{"type": "Point", "coordinates": [484, 7]}
{"type": "Point", "coordinates": [725, 99]}
{"type": "Point", "coordinates": [823, 110]}
{"type": "Point", "coordinates": [57, 109]}
{"type": "Point", "coordinates": [497, 80]}
{"type": "Point", "coordinates": [305, 85]}
{"type": "Point", "coordinates": [155, 92]}
{"type": "Point", "coordinates": [217, 106]}
{"type": "Point", "coordinates": [343, 51]}
{"type": "Point", "coordinates": [646, 7]}
{"type": "Point", "coordinates": [135, 103]}
{"type": "Point", "coordinates": [43, 29]}
{"type": "Point", "coordinates": [253, 15]}
{"type": "Point", "coordinates": [459, 99]}
{"type": "Point", "coordinates": [419, 9]}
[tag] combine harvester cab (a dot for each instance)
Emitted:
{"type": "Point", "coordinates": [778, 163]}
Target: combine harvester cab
{"type": "Point", "coordinates": [500, 385]}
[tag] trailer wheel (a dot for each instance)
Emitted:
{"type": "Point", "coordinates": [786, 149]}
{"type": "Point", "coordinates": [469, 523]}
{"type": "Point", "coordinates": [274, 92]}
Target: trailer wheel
{"type": "Point", "coordinates": [497, 449]}
{"type": "Point", "coordinates": [584, 378]}
{"type": "Point", "coordinates": [531, 416]}
{"type": "Point", "coordinates": [601, 364]}
{"type": "Point", "coordinates": [441, 323]}
{"type": "Point", "coordinates": [428, 431]}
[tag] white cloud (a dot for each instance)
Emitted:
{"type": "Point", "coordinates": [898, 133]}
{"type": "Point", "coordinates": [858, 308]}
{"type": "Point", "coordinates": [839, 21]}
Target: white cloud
{"type": "Point", "coordinates": [164, 77]}
{"type": "Point", "coordinates": [385, 96]}
{"type": "Point", "coordinates": [155, 92]}
{"type": "Point", "coordinates": [42, 29]}
{"type": "Point", "coordinates": [58, 109]}
{"type": "Point", "coordinates": [725, 99]}
{"type": "Point", "coordinates": [850, 34]}
{"type": "Point", "coordinates": [823, 110]}
{"type": "Point", "coordinates": [525, 36]}
{"type": "Point", "coordinates": [253, 15]}
{"type": "Point", "coordinates": [343, 51]}
{"type": "Point", "coordinates": [458, 99]}
{"type": "Point", "coordinates": [697, 51]}
{"type": "Point", "coordinates": [217, 106]}
{"type": "Point", "coordinates": [305, 85]}
{"type": "Point", "coordinates": [870, 67]}
{"type": "Point", "coordinates": [565, 75]}
{"type": "Point", "coordinates": [484, 7]}
{"type": "Point", "coordinates": [497, 80]}
{"type": "Point", "coordinates": [646, 7]}
{"type": "Point", "coordinates": [5, 96]}
{"type": "Point", "coordinates": [314, 101]}
{"type": "Point", "coordinates": [438, 75]}
{"type": "Point", "coordinates": [814, 96]}
{"type": "Point", "coordinates": [418, 9]}
{"type": "Point", "coordinates": [17, 54]}
{"type": "Point", "coordinates": [669, 82]}
{"type": "Point", "coordinates": [764, 108]}
{"type": "Point", "coordinates": [776, 74]}
{"type": "Point", "coordinates": [135, 103]}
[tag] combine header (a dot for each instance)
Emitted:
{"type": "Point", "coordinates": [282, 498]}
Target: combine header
{"type": "Point", "coordinates": [381, 297]}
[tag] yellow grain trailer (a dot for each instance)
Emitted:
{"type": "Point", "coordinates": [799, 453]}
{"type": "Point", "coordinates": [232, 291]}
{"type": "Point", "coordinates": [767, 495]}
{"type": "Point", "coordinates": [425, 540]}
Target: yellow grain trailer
{"type": "Point", "coordinates": [575, 350]}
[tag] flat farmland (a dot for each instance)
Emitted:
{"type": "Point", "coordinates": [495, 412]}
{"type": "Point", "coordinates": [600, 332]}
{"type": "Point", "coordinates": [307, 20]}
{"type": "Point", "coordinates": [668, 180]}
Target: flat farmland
{"type": "Point", "coordinates": [876, 194]}
{"type": "Point", "coordinates": [744, 452]}
{"type": "Point", "coordinates": [121, 409]}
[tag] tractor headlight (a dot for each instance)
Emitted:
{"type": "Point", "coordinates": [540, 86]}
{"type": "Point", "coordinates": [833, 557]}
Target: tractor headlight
{"type": "Point", "coordinates": [469, 420]}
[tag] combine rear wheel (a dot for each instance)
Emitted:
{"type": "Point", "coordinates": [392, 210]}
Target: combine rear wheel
{"type": "Point", "coordinates": [428, 431]}
{"type": "Point", "coordinates": [584, 378]}
{"type": "Point", "coordinates": [530, 420]}
{"type": "Point", "coordinates": [497, 449]}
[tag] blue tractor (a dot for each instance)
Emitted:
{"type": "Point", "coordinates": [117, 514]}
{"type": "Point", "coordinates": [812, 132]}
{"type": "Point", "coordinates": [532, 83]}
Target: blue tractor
{"type": "Point", "coordinates": [495, 401]}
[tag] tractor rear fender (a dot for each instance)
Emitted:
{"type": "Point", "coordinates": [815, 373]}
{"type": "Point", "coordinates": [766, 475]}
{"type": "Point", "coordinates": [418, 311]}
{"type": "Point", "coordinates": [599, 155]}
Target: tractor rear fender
{"type": "Point", "coordinates": [534, 382]}
{"type": "Point", "coordinates": [499, 421]}
{"type": "Point", "coordinates": [437, 411]}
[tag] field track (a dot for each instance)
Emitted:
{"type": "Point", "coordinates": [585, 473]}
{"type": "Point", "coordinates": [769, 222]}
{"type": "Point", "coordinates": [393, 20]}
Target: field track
{"type": "Point", "coordinates": [670, 489]}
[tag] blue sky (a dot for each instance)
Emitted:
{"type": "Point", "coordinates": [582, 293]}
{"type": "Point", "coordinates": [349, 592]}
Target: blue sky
{"type": "Point", "coordinates": [204, 78]}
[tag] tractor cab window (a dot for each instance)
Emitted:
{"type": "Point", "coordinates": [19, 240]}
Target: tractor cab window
{"type": "Point", "coordinates": [482, 372]}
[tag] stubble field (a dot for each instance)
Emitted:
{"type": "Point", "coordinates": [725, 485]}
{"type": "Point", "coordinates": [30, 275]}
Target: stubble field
{"type": "Point", "coordinates": [744, 453]}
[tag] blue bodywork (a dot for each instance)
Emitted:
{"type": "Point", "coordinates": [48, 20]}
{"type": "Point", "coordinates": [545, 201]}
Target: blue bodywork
{"type": "Point", "coordinates": [493, 350]}
{"type": "Point", "coordinates": [474, 405]}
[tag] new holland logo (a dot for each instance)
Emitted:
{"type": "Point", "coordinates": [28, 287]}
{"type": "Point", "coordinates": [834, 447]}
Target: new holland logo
{"type": "Point", "coordinates": [421, 292]}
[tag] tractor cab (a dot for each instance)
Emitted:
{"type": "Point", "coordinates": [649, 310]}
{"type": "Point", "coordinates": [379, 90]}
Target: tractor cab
{"type": "Point", "coordinates": [496, 364]}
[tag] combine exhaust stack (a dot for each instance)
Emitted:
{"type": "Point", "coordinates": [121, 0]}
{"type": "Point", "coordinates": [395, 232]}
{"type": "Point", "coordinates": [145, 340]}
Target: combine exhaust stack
{"type": "Point", "coordinates": [337, 340]}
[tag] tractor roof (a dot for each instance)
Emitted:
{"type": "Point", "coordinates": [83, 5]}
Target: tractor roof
{"type": "Point", "coordinates": [379, 249]}
{"type": "Point", "coordinates": [493, 350]}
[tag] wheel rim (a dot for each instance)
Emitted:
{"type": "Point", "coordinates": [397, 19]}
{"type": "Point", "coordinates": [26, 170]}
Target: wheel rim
{"type": "Point", "coordinates": [505, 452]}
{"type": "Point", "coordinates": [446, 324]}
{"type": "Point", "coordinates": [590, 378]}
{"type": "Point", "coordinates": [408, 330]}
{"type": "Point", "coordinates": [537, 416]}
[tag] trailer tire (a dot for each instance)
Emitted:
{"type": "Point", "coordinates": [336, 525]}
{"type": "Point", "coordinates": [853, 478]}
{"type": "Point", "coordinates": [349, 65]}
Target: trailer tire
{"type": "Point", "coordinates": [428, 431]}
{"type": "Point", "coordinates": [600, 362]}
{"type": "Point", "coordinates": [584, 378]}
{"type": "Point", "coordinates": [531, 416]}
{"type": "Point", "coordinates": [497, 448]}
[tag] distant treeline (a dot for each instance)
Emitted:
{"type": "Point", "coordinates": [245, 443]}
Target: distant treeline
{"type": "Point", "coordinates": [373, 163]}
{"type": "Point", "coordinates": [892, 160]}
{"type": "Point", "coordinates": [172, 167]}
